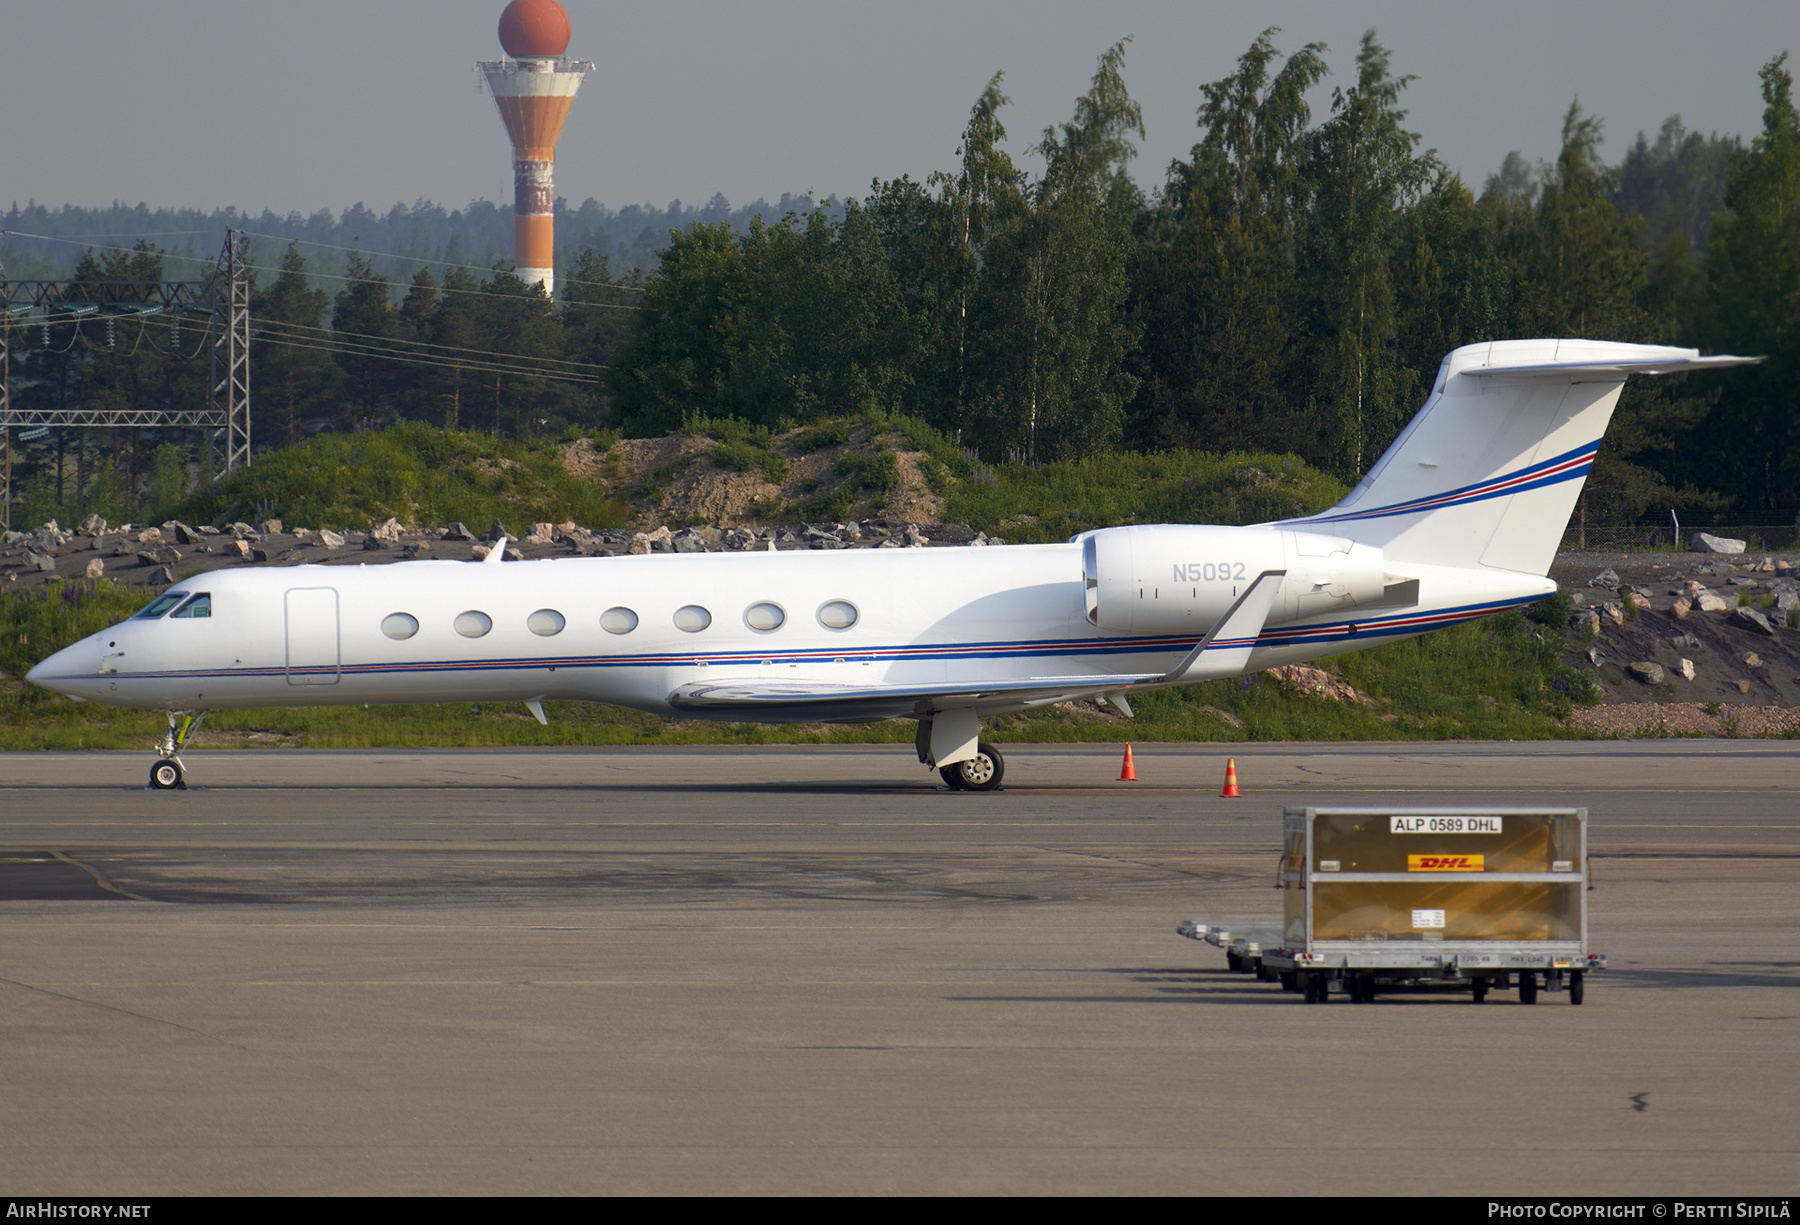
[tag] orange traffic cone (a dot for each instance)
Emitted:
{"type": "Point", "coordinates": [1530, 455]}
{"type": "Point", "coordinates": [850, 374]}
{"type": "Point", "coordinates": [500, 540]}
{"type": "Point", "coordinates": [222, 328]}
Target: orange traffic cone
{"type": "Point", "coordinates": [1128, 773]}
{"type": "Point", "coordinates": [1231, 791]}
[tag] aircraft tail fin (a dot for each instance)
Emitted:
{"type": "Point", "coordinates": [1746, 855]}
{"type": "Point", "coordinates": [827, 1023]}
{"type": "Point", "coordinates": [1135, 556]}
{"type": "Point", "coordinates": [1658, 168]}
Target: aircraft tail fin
{"type": "Point", "coordinates": [1489, 470]}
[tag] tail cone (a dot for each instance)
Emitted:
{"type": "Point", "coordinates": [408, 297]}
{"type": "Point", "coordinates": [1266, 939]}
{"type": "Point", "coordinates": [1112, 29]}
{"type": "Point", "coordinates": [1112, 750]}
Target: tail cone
{"type": "Point", "coordinates": [1128, 773]}
{"type": "Point", "coordinates": [1231, 791]}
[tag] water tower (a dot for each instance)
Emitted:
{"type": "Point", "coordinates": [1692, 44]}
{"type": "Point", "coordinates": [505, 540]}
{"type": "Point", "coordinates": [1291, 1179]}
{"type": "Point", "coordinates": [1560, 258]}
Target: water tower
{"type": "Point", "coordinates": [533, 88]}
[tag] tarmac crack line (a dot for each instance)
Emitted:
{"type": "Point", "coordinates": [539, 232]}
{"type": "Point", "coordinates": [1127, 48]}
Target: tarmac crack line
{"type": "Point", "coordinates": [100, 877]}
{"type": "Point", "coordinates": [126, 1012]}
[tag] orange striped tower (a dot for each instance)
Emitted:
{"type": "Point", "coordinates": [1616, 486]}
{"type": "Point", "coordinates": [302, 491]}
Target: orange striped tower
{"type": "Point", "coordinates": [533, 88]}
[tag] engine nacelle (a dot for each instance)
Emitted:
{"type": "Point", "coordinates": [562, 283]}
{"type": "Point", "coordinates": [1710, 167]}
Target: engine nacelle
{"type": "Point", "coordinates": [1178, 579]}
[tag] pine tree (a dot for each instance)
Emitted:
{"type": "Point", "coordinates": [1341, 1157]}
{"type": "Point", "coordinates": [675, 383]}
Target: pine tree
{"type": "Point", "coordinates": [294, 373]}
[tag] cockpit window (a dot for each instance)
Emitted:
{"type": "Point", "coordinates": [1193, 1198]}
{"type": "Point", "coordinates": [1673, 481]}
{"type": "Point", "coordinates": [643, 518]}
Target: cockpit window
{"type": "Point", "coordinates": [199, 606]}
{"type": "Point", "coordinates": [161, 604]}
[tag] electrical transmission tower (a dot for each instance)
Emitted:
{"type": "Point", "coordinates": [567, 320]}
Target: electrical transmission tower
{"type": "Point", "coordinates": [224, 300]}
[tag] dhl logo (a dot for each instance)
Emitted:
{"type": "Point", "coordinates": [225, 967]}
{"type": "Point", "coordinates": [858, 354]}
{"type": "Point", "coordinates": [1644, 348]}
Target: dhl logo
{"type": "Point", "coordinates": [1444, 863]}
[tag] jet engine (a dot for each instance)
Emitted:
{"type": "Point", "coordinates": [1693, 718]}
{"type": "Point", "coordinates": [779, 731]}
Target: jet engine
{"type": "Point", "coordinates": [1180, 579]}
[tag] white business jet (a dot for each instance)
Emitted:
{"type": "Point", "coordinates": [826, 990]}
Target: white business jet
{"type": "Point", "coordinates": [1460, 518]}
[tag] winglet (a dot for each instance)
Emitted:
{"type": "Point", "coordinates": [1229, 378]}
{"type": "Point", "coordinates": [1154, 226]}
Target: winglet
{"type": "Point", "coordinates": [1225, 651]}
{"type": "Point", "coordinates": [536, 707]}
{"type": "Point", "coordinates": [497, 554]}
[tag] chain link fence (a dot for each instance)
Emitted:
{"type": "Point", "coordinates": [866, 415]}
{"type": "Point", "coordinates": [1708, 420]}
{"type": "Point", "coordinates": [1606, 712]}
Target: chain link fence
{"type": "Point", "coordinates": [1619, 537]}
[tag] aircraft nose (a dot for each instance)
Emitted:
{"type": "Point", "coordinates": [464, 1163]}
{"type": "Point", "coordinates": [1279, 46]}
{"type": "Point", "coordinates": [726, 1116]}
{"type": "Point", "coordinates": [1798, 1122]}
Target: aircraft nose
{"type": "Point", "coordinates": [55, 673]}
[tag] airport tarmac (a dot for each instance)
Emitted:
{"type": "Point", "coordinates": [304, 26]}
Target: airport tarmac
{"type": "Point", "coordinates": [805, 970]}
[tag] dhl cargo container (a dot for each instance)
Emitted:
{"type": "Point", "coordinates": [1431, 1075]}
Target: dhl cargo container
{"type": "Point", "coordinates": [1376, 899]}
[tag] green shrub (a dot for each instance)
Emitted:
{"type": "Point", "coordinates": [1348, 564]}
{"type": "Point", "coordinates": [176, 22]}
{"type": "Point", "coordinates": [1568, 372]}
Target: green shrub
{"type": "Point", "coordinates": [1553, 611]}
{"type": "Point", "coordinates": [825, 434]}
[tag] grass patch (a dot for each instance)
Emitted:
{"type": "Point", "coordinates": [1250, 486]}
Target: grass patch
{"type": "Point", "coordinates": [412, 472]}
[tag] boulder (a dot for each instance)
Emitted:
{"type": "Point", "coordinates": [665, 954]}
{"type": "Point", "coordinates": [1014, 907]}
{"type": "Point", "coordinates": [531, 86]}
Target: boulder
{"type": "Point", "coordinates": [1648, 672]}
{"type": "Point", "coordinates": [95, 568]}
{"type": "Point", "coordinates": [158, 555]}
{"type": "Point", "coordinates": [1711, 601]}
{"type": "Point", "coordinates": [1606, 578]}
{"type": "Point", "coordinates": [44, 562]}
{"type": "Point", "coordinates": [1685, 669]}
{"type": "Point", "coordinates": [495, 532]}
{"type": "Point", "coordinates": [458, 531]}
{"type": "Point", "coordinates": [1749, 618]}
{"type": "Point", "coordinates": [1704, 543]}
{"type": "Point", "coordinates": [330, 539]}
{"type": "Point", "coordinates": [272, 527]}
{"type": "Point", "coordinates": [387, 532]}
{"type": "Point", "coordinates": [93, 525]}
{"type": "Point", "coordinates": [160, 577]}
{"type": "Point", "coordinates": [150, 535]}
{"type": "Point", "coordinates": [1750, 659]}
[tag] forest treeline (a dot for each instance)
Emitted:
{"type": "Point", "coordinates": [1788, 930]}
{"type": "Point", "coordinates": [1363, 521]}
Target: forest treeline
{"type": "Point", "coordinates": [1290, 286]}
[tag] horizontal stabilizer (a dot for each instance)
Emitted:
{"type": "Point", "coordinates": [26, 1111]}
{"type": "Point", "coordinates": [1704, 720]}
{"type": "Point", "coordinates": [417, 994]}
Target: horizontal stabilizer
{"type": "Point", "coordinates": [1579, 371]}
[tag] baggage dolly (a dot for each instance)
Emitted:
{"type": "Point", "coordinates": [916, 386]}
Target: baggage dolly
{"type": "Point", "coordinates": [1379, 900]}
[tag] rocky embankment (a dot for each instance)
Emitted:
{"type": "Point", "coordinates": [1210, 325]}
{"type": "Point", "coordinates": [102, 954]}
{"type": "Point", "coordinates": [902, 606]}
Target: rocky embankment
{"type": "Point", "coordinates": [153, 556]}
{"type": "Point", "coordinates": [1685, 643]}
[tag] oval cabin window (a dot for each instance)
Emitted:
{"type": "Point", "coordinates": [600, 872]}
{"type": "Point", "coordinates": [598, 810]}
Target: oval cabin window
{"type": "Point", "coordinates": [691, 618]}
{"type": "Point", "coordinates": [764, 616]}
{"type": "Point", "coordinates": [837, 614]}
{"type": "Point", "coordinates": [473, 624]}
{"type": "Point", "coordinates": [545, 623]}
{"type": "Point", "coordinates": [618, 620]}
{"type": "Point", "coordinates": [399, 626]}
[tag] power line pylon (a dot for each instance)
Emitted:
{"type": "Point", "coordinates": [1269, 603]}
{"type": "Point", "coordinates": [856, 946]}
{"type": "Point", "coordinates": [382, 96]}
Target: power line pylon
{"type": "Point", "coordinates": [230, 398]}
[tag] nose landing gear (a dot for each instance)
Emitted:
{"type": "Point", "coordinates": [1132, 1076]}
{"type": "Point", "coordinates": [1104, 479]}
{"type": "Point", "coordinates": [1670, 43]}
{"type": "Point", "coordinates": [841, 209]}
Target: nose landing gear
{"type": "Point", "coordinates": [168, 773]}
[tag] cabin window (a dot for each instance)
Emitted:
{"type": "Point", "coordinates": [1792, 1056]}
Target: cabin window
{"type": "Point", "coordinates": [765, 616]}
{"type": "Point", "coordinates": [199, 606]}
{"type": "Point", "coordinates": [399, 626]}
{"type": "Point", "coordinates": [473, 624]}
{"type": "Point", "coordinates": [691, 618]}
{"type": "Point", "coordinates": [161, 604]}
{"type": "Point", "coordinates": [618, 620]}
{"type": "Point", "coordinates": [545, 623]}
{"type": "Point", "coordinates": [837, 614]}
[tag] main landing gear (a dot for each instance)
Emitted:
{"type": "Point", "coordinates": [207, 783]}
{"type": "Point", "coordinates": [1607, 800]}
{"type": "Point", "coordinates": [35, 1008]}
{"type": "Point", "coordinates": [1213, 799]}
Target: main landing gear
{"type": "Point", "coordinates": [949, 742]}
{"type": "Point", "coordinates": [981, 772]}
{"type": "Point", "coordinates": [167, 774]}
